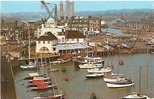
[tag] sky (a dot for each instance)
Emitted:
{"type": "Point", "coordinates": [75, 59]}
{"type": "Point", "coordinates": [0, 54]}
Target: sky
{"type": "Point", "coordinates": [35, 6]}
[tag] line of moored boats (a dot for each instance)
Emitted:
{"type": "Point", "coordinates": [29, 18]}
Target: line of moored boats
{"type": "Point", "coordinates": [96, 69]}
{"type": "Point", "coordinates": [37, 82]}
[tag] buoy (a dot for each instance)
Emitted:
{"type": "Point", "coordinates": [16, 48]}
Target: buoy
{"type": "Point", "coordinates": [121, 62]}
{"type": "Point", "coordinates": [66, 79]}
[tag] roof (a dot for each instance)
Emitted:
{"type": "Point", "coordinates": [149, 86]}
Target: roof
{"type": "Point", "coordinates": [74, 34]}
{"type": "Point", "coordinates": [113, 31]}
{"type": "Point", "coordinates": [47, 37]}
{"type": "Point", "coordinates": [71, 46]}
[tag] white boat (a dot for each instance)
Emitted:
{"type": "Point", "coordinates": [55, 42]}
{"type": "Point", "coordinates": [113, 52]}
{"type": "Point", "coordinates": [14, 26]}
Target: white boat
{"type": "Point", "coordinates": [32, 75]}
{"type": "Point", "coordinates": [94, 75]}
{"type": "Point", "coordinates": [93, 60]}
{"type": "Point", "coordinates": [40, 78]}
{"type": "Point", "coordinates": [87, 66]}
{"type": "Point", "coordinates": [59, 96]}
{"type": "Point", "coordinates": [56, 62]}
{"type": "Point", "coordinates": [120, 84]}
{"type": "Point", "coordinates": [27, 66]}
{"type": "Point", "coordinates": [114, 78]}
{"type": "Point", "coordinates": [99, 70]}
{"type": "Point", "coordinates": [136, 96]}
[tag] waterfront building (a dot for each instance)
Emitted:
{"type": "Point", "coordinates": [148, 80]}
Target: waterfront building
{"type": "Point", "coordinates": [56, 40]}
{"type": "Point", "coordinates": [87, 25]}
{"type": "Point", "coordinates": [94, 24]}
{"type": "Point", "coordinates": [46, 44]}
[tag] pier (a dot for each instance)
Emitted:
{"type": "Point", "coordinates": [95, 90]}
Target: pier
{"type": "Point", "coordinates": [8, 89]}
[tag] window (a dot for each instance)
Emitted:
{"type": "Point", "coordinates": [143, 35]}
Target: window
{"type": "Point", "coordinates": [43, 42]}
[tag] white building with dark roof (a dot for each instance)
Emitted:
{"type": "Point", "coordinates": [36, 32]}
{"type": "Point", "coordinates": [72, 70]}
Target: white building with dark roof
{"type": "Point", "coordinates": [46, 44]}
{"type": "Point", "coordinates": [54, 39]}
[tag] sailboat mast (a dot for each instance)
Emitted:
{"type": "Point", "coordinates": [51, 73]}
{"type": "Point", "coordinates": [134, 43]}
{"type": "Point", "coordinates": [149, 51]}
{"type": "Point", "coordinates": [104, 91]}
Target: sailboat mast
{"type": "Point", "coordinates": [28, 44]}
{"type": "Point", "coordinates": [140, 68]}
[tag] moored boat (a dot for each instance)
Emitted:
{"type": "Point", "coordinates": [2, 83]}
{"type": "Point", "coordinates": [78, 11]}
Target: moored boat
{"type": "Point", "coordinates": [59, 96]}
{"type": "Point", "coordinates": [120, 84]}
{"type": "Point", "coordinates": [32, 75]}
{"type": "Point", "coordinates": [136, 96]}
{"type": "Point", "coordinates": [94, 75]}
{"type": "Point", "coordinates": [32, 85]}
{"type": "Point", "coordinates": [40, 78]}
{"type": "Point", "coordinates": [114, 78]}
{"type": "Point", "coordinates": [87, 66]}
{"type": "Point", "coordinates": [42, 88]}
{"type": "Point", "coordinates": [100, 70]}
{"type": "Point", "coordinates": [24, 67]}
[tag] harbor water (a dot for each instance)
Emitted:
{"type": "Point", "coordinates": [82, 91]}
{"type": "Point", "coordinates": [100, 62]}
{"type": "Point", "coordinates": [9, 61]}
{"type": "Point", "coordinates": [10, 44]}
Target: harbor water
{"type": "Point", "coordinates": [78, 87]}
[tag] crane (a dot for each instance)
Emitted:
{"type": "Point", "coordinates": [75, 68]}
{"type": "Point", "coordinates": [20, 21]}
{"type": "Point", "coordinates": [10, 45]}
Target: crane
{"type": "Point", "coordinates": [45, 4]}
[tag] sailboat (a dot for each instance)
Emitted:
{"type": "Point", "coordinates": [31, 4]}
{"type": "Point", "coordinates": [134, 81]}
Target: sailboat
{"type": "Point", "coordinates": [138, 95]}
{"type": "Point", "coordinates": [30, 65]}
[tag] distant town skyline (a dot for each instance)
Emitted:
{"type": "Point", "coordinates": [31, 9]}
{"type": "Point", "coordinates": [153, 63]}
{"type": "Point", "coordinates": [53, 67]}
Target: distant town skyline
{"type": "Point", "coordinates": [35, 6]}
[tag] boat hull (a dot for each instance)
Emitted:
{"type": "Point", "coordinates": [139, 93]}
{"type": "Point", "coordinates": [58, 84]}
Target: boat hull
{"type": "Point", "coordinates": [136, 96]}
{"type": "Point", "coordinates": [86, 66]}
{"type": "Point", "coordinates": [112, 85]}
{"type": "Point", "coordinates": [94, 76]}
{"type": "Point", "coordinates": [102, 70]}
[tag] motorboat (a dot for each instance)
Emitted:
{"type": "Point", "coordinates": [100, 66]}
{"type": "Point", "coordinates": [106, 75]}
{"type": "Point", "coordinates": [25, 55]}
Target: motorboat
{"type": "Point", "coordinates": [120, 83]}
{"type": "Point", "coordinates": [87, 66]}
{"type": "Point", "coordinates": [100, 70]}
{"type": "Point", "coordinates": [136, 96]}
{"type": "Point", "coordinates": [94, 75]}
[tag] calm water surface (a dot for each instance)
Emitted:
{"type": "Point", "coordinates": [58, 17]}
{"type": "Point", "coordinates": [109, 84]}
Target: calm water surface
{"type": "Point", "coordinates": [80, 88]}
